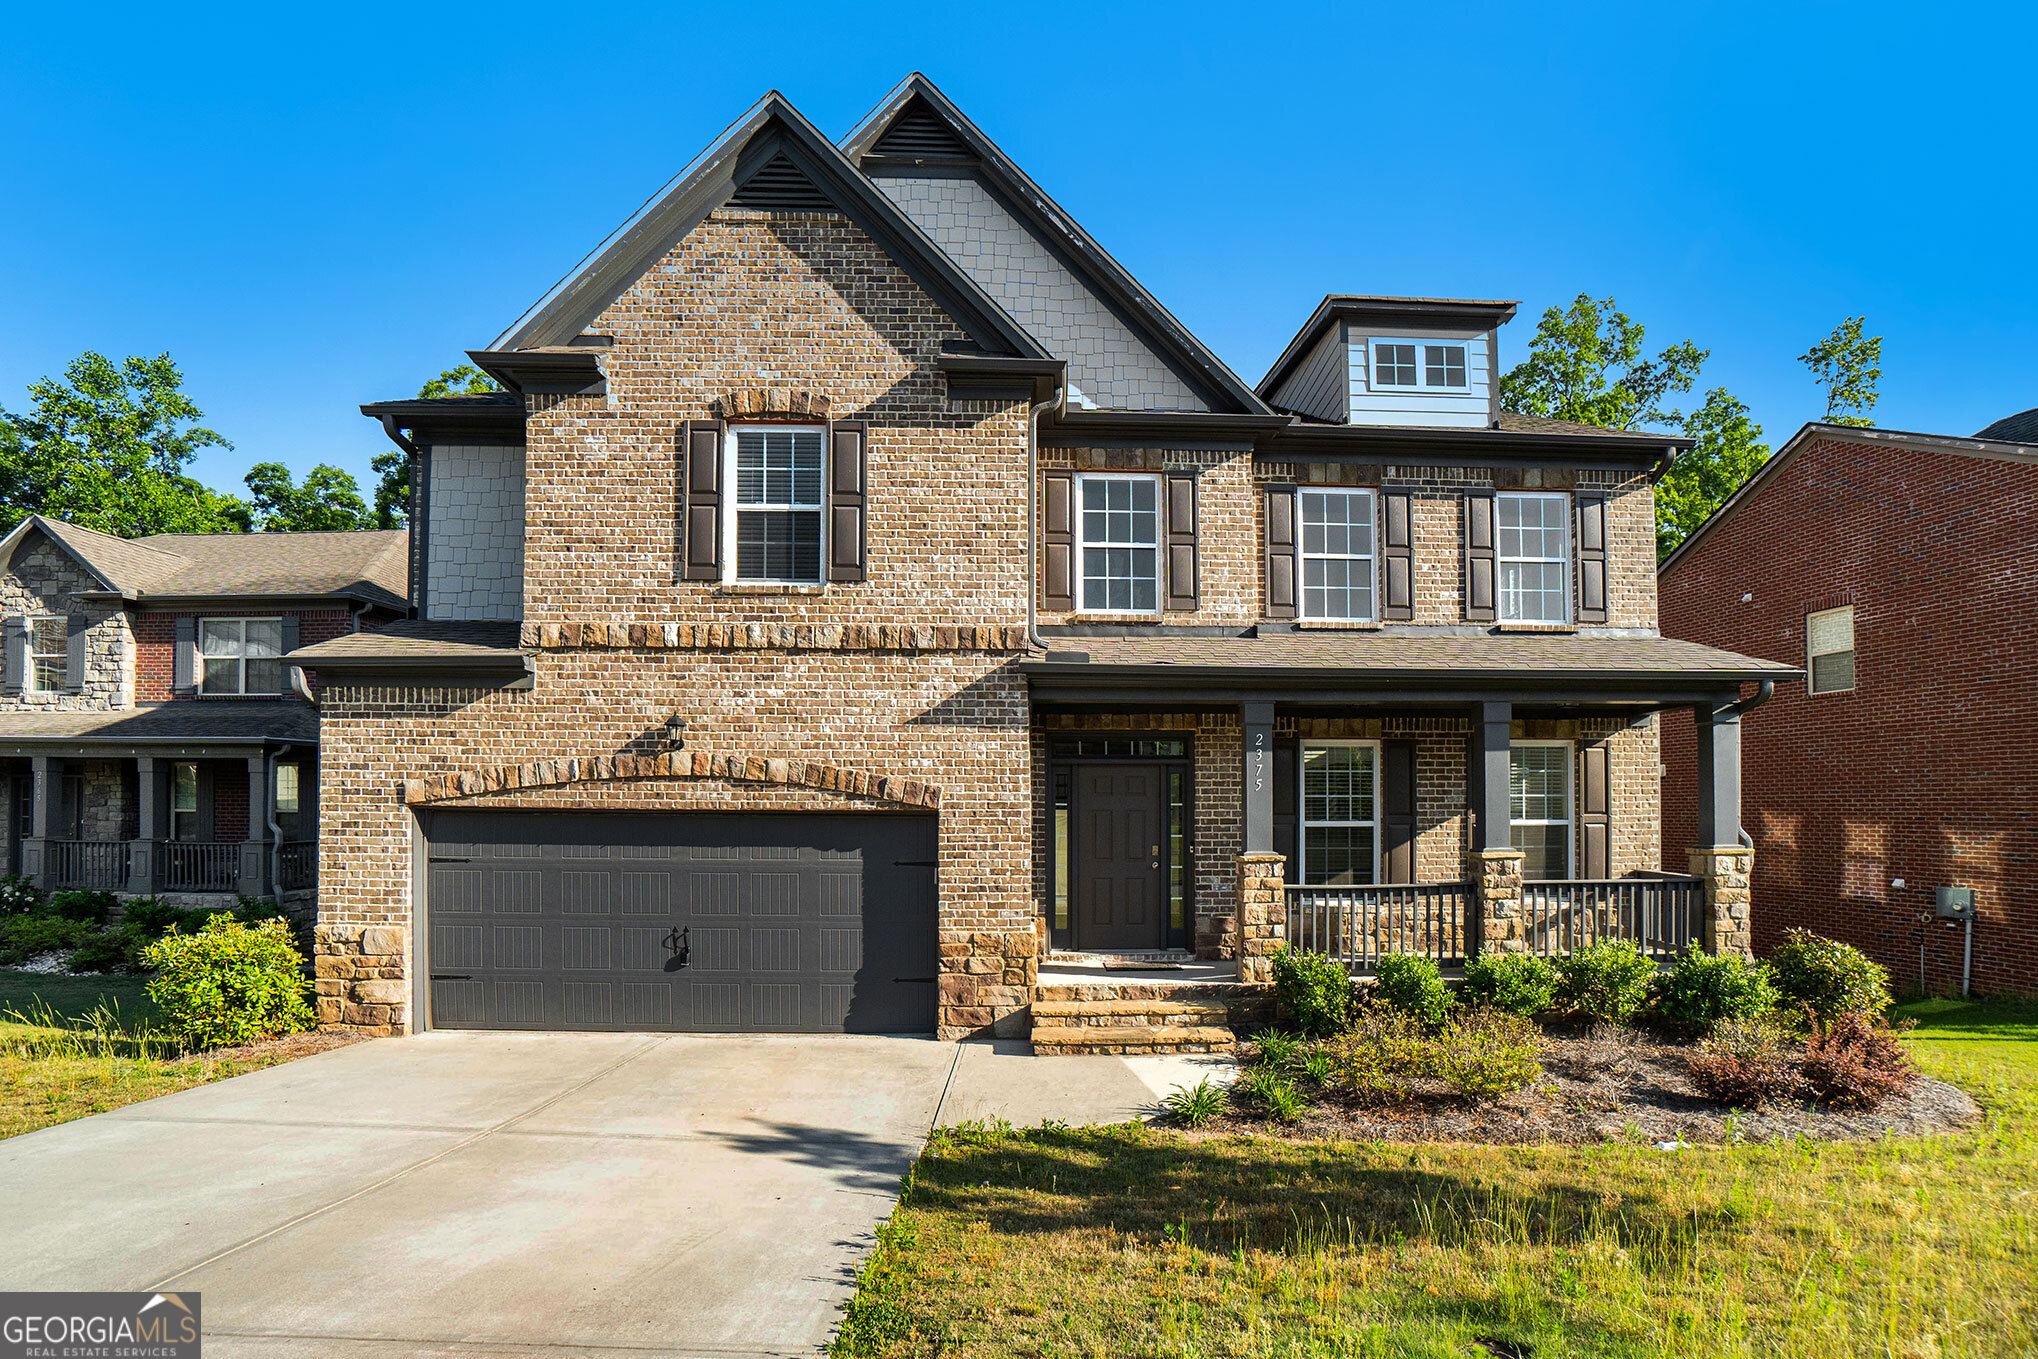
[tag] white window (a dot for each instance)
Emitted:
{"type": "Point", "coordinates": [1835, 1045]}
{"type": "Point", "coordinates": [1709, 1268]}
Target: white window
{"type": "Point", "coordinates": [240, 655]}
{"type": "Point", "coordinates": [1420, 365]}
{"type": "Point", "coordinates": [288, 790]}
{"type": "Point", "coordinates": [184, 802]}
{"type": "Point", "coordinates": [1340, 813]}
{"type": "Point", "coordinates": [1535, 570]}
{"type": "Point", "coordinates": [49, 653]}
{"type": "Point", "coordinates": [1337, 555]}
{"type": "Point", "coordinates": [1829, 649]}
{"type": "Point", "coordinates": [1539, 807]}
{"type": "Point", "coordinates": [1118, 541]}
{"type": "Point", "coordinates": [775, 532]}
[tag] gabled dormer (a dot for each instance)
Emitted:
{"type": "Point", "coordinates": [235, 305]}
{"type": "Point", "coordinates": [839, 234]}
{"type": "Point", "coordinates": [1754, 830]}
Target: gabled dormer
{"type": "Point", "coordinates": [1413, 361]}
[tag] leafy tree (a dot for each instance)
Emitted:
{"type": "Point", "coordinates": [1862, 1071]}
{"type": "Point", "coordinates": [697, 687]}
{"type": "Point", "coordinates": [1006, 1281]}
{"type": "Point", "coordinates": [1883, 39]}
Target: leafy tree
{"type": "Point", "coordinates": [1728, 452]}
{"type": "Point", "coordinates": [466, 380]}
{"type": "Point", "coordinates": [1585, 365]}
{"type": "Point", "coordinates": [392, 469]}
{"type": "Point", "coordinates": [106, 447]}
{"type": "Point", "coordinates": [1848, 365]}
{"type": "Point", "coordinates": [328, 501]}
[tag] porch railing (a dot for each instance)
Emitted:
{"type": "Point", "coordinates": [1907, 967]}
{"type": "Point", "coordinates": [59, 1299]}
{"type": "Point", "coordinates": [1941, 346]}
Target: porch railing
{"type": "Point", "coordinates": [1358, 925]}
{"type": "Point", "coordinates": [299, 864]}
{"type": "Point", "coordinates": [1662, 914]}
{"type": "Point", "coordinates": [201, 866]}
{"type": "Point", "coordinates": [96, 865]}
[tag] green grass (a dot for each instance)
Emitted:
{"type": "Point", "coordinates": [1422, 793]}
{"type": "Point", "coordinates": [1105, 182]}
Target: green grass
{"type": "Point", "coordinates": [76, 997]}
{"type": "Point", "coordinates": [1135, 1241]}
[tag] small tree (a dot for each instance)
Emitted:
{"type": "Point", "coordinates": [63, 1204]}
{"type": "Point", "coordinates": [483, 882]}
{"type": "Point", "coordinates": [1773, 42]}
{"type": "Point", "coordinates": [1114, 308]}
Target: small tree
{"type": "Point", "coordinates": [329, 500]}
{"type": "Point", "coordinates": [1729, 450]}
{"type": "Point", "coordinates": [1848, 365]}
{"type": "Point", "coordinates": [1585, 364]}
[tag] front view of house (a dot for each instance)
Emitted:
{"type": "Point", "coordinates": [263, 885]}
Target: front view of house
{"type": "Point", "coordinates": [864, 595]}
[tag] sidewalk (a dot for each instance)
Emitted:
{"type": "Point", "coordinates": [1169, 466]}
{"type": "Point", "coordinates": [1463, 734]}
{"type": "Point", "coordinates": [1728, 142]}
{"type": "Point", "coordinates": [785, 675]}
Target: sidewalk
{"type": "Point", "coordinates": [1001, 1078]}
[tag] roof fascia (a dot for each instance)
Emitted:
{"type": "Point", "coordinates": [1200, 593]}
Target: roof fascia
{"type": "Point", "coordinates": [430, 422]}
{"type": "Point", "coordinates": [36, 521]}
{"type": "Point", "coordinates": [145, 602]}
{"type": "Point", "coordinates": [1172, 429]}
{"type": "Point", "coordinates": [1469, 447]}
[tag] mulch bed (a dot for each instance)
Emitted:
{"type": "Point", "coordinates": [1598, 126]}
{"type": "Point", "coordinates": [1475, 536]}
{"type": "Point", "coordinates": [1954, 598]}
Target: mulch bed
{"type": "Point", "coordinates": [1627, 1086]}
{"type": "Point", "coordinates": [287, 1048]}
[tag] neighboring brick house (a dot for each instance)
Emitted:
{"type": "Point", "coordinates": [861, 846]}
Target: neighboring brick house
{"type": "Point", "coordinates": [864, 591]}
{"type": "Point", "coordinates": [1898, 569]}
{"type": "Point", "coordinates": [145, 706]}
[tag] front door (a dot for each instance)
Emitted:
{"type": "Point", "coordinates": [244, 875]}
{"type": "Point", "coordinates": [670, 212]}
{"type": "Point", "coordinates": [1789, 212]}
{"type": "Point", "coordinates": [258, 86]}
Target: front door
{"type": "Point", "coordinates": [1120, 904]}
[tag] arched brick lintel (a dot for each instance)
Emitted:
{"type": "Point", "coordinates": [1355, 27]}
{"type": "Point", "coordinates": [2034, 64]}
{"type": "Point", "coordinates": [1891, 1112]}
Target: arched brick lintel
{"type": "Point", "coordinates": [509, 778]}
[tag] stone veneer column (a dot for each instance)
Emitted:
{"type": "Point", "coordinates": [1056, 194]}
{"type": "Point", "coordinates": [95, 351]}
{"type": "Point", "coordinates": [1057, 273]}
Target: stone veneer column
{"type": "Point", "coordinates": [1262, 914]}
{"type": "Point", "coordinates": [1726, 871]}
{"type": "Point", "coordinates": [1497, 900]}
{"type": "Point", "coordinates": [363, 978]}
{"type": "Point", "coordinates": [987, 984]}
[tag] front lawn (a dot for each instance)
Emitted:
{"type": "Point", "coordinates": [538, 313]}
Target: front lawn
{"type": "Point", "coordinates": [1138, 1241]}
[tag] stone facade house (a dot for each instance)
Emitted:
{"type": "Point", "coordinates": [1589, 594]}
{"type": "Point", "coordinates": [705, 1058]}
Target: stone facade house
{"type": "Point", "coordinates": [866, 607]}
{"type": "Point", "coordinates": [1897, 571]}
{"type": "Point", "coordinates": [145, 708]}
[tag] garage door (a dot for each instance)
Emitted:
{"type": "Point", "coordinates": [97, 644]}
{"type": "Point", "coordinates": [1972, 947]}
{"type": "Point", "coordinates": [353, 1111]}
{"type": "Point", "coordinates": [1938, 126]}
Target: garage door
{"type": "Point", "coordinates": [702, 923]}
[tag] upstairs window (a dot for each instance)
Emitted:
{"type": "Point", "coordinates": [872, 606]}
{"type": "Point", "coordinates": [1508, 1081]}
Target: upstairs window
{"type": "Point", "coordinates": [1443, 365]}
{"type": "Point", "coordinates": [1539, 807]}
{"type": "Point", "coordinates": [1534, 556]}
{"type": "Point", "coordinates": [1829, 647]}
{"type": "Point", "coordinates": [49, 653]}
{"type": "Point", "coordinates": [1337, 555]}
{"type": "Point", "coordinates": [1417, 365]}
{"type": "Point", "coordinates": [1118, 532]}
{"type": "Point", "coordinates": [240, 655]}
{"type": "Point", "coordinates": [1340, 814]}
{"type": "Point", "coordinates": [777, 473]}
{"type": "Point", "coordinates": [1393, 364]}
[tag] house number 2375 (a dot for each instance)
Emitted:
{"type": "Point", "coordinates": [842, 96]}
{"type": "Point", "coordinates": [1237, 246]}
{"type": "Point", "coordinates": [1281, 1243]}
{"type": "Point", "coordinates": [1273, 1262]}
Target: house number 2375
{"type": "Point", "coordinates": [1258, 760]}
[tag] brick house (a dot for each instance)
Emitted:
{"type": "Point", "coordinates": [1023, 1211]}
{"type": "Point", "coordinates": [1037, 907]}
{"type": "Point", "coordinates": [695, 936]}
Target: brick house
{"type": "Point", "coordinates": [1897, 570]}
{"type": "Point", "coordinates": [867, 607]}
{"type": "Point", "coordinates": [145, 707]}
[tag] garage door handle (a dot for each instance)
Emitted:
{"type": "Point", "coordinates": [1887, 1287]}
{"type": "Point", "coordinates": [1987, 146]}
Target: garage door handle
{"type": "Point", "coordinates": [912, 979]}
{"type": "Point", "coordinates": [916, 863]}
{"type": "Point", "coordinates": [452, 976]}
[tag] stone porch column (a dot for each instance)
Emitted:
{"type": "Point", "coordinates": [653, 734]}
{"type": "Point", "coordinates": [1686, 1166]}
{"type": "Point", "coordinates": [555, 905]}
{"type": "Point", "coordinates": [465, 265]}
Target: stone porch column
{"type": "Point", "coordinates": [1262, 914]}
{"type": "Point", "coordinates": [254, 878]}
{"type": "Point", "coordinates": [1496, 890]}
{"type": "Point", "coordinates": [1719, 859]}
{"type": "Point", "coordinates": [1726, 871]}
{"type": "Point", "coordinates": [1496, 863]}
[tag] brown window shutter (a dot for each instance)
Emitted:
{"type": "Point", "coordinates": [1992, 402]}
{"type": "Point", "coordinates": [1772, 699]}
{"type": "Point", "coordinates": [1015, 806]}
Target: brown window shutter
{"type": "Point", "coordinates": [16, 636]}
{"type": "Point", "coordinates": [1288, 804]}
{"type": "Point", "coordinates": [1181, 595]}
{"type": "Point", "coordinates": [1281, 556]}
{"type": "Point", "coordinates": [1482, 566]}
{"type": "Point", "coordinates": [1058, 544]}
{"type": "Point", "coordinates": [1397, 811]}
{"type": "Point", "coordinates": [702, 440]}
{"type": "Point", "coordinates": [184, 658]}
{"type": "Point", "coordinates": [1397, 558]}
{"type": "Point", "coordinates": [847, 499]}
{"type": "Point", "coordinates": [1595, 803]}
{"type": "Point", "coordinates": [76, 639]}
{"type": "Point", "coordinates": [1591, 535]}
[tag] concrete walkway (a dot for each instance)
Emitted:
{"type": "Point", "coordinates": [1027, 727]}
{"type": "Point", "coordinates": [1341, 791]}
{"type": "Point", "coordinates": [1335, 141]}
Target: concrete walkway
{"type": "Point", "coordinates": [1003, 1079]}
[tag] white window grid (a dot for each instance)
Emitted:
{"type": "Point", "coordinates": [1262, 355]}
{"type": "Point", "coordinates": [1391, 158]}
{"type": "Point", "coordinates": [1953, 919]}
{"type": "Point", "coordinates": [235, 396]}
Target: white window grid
{"type": "Point", "coordinates": [1338, 795]}
{"type": "Point", "coordinates": [240, 655]}
{"type": "Point", "coordinates": [1339, 575]}
{"type": "Point", "coordinates": [1118, 539]}
{"type": "Point", "coordinates": [49, 654]}
{"type": "Point", "coordinates": [289, 789]}
{"type": "Point", "coordinates": [1539, 791]}
{"type": "Point", "coordinates": [787, 477]}
{"type": "Point", "coordinates": [1406, 364]}
{"type": "Point", "coordinates": [1532, 535]}
{"type": "Point", "coordinates": [1829, 633]}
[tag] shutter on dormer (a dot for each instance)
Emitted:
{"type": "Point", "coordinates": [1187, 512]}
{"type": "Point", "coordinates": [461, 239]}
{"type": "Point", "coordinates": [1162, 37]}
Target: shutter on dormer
{"type": "Point", "coordinates": [1281, 598]}
{"type": "Point", "coordinates": [1595, 807]}
{"type": "Point", "coordinates": [1481, 561]}
{"type": "Point", "coordinates": [1397, 811]}
{"type": "Point", "coordinates": [1058, 542]}
{"type": "Point", "coordinates": [702, 514]}
{"type": "Point", "coordinates": [1397, 557]}
{"type": "Point", "coordinates": [184, 658]}
{"type": "Point", "coordinates": [1591, 537]}
{"type": "Point", "coordinates": [77, 634]}
{"type": "Point", "coordinates": [847, 499]}
{"type": "Point", "coordinates": [1181, 543]}
{"type": "Point", "coordinates": [16, 668]}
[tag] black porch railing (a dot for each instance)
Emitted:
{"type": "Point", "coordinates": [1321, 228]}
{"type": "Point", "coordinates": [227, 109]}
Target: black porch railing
{"type": "Point", "coordinates": [94, 865]}
{"type": "Point", "coordinates": [1358, 925]}
{"type": "Point", "coordinates": [201, 866]}
{"type": "Point", "coordinates": [1662, 914]}
{"type": "Point", "coordinates": [299, 863]}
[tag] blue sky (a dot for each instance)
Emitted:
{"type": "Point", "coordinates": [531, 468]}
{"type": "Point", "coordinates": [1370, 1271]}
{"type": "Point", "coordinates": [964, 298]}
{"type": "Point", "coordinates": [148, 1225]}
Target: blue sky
{"type": "Point", "coordinates": [309, 212]}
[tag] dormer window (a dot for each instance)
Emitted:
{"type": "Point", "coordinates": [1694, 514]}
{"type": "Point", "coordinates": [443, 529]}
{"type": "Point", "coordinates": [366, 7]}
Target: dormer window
{"type": "Point", "coordinates": [1420, 365]}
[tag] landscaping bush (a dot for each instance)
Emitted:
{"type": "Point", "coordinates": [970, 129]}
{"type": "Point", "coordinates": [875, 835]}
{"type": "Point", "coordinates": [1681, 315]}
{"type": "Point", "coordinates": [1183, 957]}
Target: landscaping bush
{"type": "Point", "coordinates": [1745, 1063]}
{"type": "Point", "coordinates": [1381, 1060]}
{"type": "Point", "coordinates": [1266, 1091]}
{"type": "Point", "coordinates": [1607, 979]}
{"type": "Point", "coordinates": [1520, 983]}
{"type": "Point", "coordinates": [91, 907]}
{"type": "Point", "coordinates": [1701, 989]}
{"type": "Point", "coordinates": [229, 983]}
{"type": "Point", "coordinates": [110, 951]}
{"type": "Point", "coordinates": [23, 937]}
{"type": "Point", "coordinates": [1855, 1061]}
{"type": "Point", "coordinates": [1276, 1049]}
{"type": "Point", "coordinates": [1488, 1054]}
{"type": "Point", "coordinates": [19, 896]}
{"type": "Point", "coordinates": [1193, 1105]}
{"type": "Point", "coordinates": [1313, 991]}
{"type": "Point", "coordinates": [1827, 977]}
{"type": "Point", "coordinates": [1411, 984]}
{"type": "Point", "coordinates": [153, 916]}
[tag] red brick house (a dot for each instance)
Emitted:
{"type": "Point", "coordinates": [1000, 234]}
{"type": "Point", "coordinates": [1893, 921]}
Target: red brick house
{"type": "Point", "coordinates": [868, 608]}
{"type": "Point", "coordinates": [1898, 571]}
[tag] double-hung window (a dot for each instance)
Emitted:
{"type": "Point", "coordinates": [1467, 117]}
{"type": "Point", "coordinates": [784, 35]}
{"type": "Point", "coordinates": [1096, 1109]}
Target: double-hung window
{"type": "Point", "coordinates": [1340, 813]}
{"type": "Point", "coordinates": [1420, 365]}
{"type": "Point", "coordinates": [775, 531]}
{"type": "Point", "coordinates": [240, 655]}
{"type": "Point", "coordinates": [1539, 807]}
{"type": "Point", "coordinates": [184, 802]}
{"type": "Point", "coordinates": [1337, 555]}
{"type": "Point", "coordinates": [1829, 649]}
{"type": "Point", "coordinates": [1534, 530]}
{"type": "Point", "coordinates": [1118, 531]}
{"type": "Point", "coordinates": [49, 653]}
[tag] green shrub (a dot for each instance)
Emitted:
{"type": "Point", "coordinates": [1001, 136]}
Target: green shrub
{"type": "Point", "coordinates": [1383, 1059]}
{"type": "Point", "coordinates": [23, 937]}
{"type": "Point", "coordinates": [1855, 1061]}
{"type": "Point", "coordinates": [1701, 989]}
{"type": "Point", "coordinates": [1313, 991]}
{"type": "Point", "coordinates": [1276, 1049]}
{"type": "Point", "coordinates": [1193, 1105]}
{"type": "Point", "coordinates": [19, 896]}
{"type": "Point", "coordinates": [1317, 1066]}
{"type": "Point", "coordinates": [229, 983]}
{"type": "Point", "coordinates": [1745, 1063]}
{"type": "Point", "coordinates": [110, 951]}
{"type": "Point", "coordinates": [1488, 1054]}
{"type": "Point", "coordinates": [1827, 977]}
{"type": "Point", "coordinates": [1607, 979]}
{"type": "Point", "coordinates": [1519, 983]}
{"type": "Point", "coordinates": [1411, 984]}
{"type": "Point", "coordinates": [1264, 1090]}
{"type": "Point", "coordinates": [91, 907]}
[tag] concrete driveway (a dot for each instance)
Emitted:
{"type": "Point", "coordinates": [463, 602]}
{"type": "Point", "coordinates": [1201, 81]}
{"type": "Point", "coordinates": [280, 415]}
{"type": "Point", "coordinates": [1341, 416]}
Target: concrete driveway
{"type": "Point", "coordinates": [467, 1193]}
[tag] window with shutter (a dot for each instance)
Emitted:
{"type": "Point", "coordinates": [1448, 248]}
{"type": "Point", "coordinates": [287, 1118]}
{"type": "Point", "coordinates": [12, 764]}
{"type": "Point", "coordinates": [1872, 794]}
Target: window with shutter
{"type": "Point", "coordinates": [1181, 531]}
{"type": "Point", "coordinates": [1829, 648]}
{"type": "Point", "coordinates": [240, 655]}
{"type": "Point", "coordinates": [1058, 542]}
{"type": "Point", "coordinates": [49, 657]}
{"type": "Point", "coordinates": [1340, 813]}
{"type": "Point", "coordinates": [1118, 542]}
{"type": "Point", "coordinates": [774, 528]}
{"type": "Point", "coordinates": [847, 501]}
{"type": "Point", "coordinates": [1539, 807]}
{"type": "Point", "coordinates": [1533, 530]}
{"type": "Point", "coordinates": [1337, 554]}
{"type": "Point", "coordinates": [1281, 537]}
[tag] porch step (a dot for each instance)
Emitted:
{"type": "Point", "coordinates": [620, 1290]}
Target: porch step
{"type": "Point", "coordinates": [1215, 994]}
{"type": "Point", "coordinates": [1117, 1012]}
{"type": "Point", "coordinates": [1130, 1041]}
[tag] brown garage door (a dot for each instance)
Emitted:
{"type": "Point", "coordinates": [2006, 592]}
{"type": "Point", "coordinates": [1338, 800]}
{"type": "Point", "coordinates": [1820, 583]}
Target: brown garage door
{"type": "Point", "coordinates": [703, 922]}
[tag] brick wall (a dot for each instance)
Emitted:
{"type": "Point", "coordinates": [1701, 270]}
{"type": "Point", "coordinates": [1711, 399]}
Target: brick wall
{"type": "Point", "coordinates": [155, 643]}
{"type": "Point", "coordinates": [1924, 771]}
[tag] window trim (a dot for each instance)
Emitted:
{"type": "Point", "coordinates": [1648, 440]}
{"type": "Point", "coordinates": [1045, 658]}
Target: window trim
{"type": "Point", "coordinates": [1570, 819]}
{"type": "Point", "coordinates": [734, 507]}
{"type": "Point", "coordinates": [296, 778]}
{"type": "Point", "coordinates": [1421, 383]}
{"type": "Point", "coordinates": [173, 811]}
{"type": "Point", "coordinates": [1853, 649]}
{"type": "Point", "coordinates": [1082, 544]}
{"type": "Point", "coordinates": [199, 660]}
{"type": "Point", "coordinates": [1302, 821]}
{"type": "Point", "coordinates": [29, 680]}
{"type": "Point", "coordinates": [1303, 555]}
{"type": "Point", "coordinates": [1564, 559]}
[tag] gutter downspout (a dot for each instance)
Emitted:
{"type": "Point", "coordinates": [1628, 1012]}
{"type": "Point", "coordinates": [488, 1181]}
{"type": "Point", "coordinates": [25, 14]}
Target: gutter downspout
{"type": "Point", "coordinates": [1735, 709]}
{"type": "Point", "coordinates": [275, 827]}
{"type": "Point", "coordinates": [1033, 493]}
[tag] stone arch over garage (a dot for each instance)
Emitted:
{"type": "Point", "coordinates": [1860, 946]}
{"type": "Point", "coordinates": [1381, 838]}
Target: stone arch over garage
{"type": "Point", "coordinates": [730, 768]}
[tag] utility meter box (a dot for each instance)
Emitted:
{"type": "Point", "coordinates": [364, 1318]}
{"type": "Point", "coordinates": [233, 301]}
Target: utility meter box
{"type": "Point", "coordinates": [1956, 903]}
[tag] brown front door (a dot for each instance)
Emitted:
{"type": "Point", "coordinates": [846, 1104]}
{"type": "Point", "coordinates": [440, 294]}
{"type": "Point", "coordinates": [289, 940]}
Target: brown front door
{"type": "Point", "coordinates": [1120, 905]}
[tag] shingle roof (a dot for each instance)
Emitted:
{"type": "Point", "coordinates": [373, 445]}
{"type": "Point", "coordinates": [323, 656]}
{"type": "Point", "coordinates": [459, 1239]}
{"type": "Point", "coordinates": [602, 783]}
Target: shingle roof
{"type": "Point", "coordinates": [369, 565]}
{"type": "Point", "coordinates": [417, 639]}
{"type": "Point", "coordinates": [2021, 428]}
{"type": "Point", "coordinates": [187, 720]}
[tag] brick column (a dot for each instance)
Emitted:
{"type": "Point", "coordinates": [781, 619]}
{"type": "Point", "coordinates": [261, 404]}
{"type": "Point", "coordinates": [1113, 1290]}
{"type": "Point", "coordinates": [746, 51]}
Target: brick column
{"type": "Point", "coordinates": [1262, 914]}
{"type": "Point", "coordinates": [363, 978]}
{"type": "Point", "coordinates": [1496, 889]}
{"type": "Point", "coordinates": [1725, 870]}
